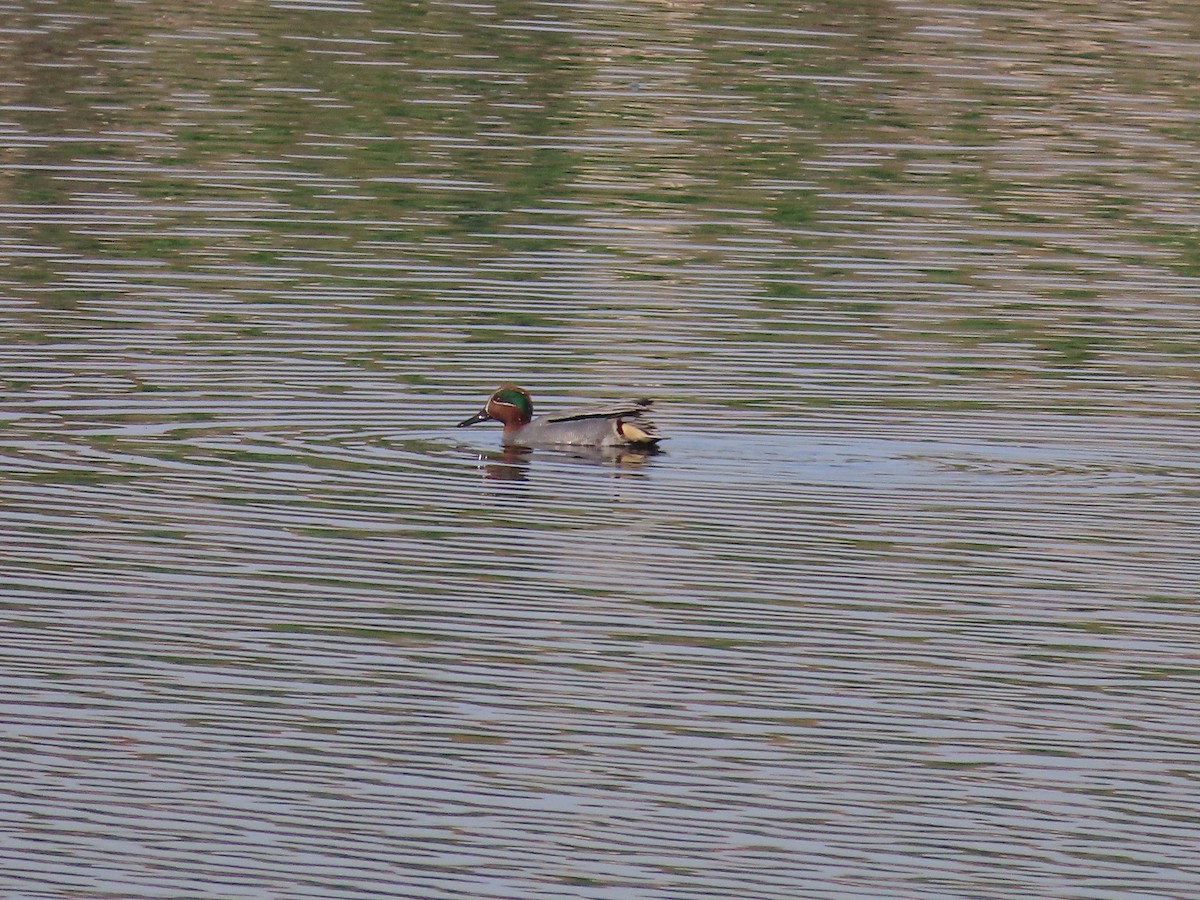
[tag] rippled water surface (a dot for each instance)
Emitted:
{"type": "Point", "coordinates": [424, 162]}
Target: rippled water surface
{"type": "Point", "coordinates": [908, 605]}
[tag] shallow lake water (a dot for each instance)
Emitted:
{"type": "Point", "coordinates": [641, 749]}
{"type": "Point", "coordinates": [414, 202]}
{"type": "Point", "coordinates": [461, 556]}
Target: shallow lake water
{"type": "Point", "coordinates": [906, 607]}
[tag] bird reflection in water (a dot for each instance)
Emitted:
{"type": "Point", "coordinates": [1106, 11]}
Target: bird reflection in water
{"type": "Point", "coordinates": [512, 463]}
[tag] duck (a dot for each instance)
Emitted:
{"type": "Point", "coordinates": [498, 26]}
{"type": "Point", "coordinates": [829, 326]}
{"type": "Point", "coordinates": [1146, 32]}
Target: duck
{"type": "Point", "coordinates": [621, 424]}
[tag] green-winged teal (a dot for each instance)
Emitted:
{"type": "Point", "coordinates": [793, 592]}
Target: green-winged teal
{"type": "Point", "coordinates": [621, 424]}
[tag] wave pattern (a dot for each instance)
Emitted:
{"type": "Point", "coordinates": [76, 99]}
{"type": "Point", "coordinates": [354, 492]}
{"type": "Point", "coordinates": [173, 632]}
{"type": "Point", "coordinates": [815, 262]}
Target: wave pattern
{"type": "Point", "coordinates": [906, 608]}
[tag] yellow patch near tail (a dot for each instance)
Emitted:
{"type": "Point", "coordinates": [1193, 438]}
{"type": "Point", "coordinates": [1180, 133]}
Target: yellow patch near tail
{"type": "Point", "coordinates": [634, 435]}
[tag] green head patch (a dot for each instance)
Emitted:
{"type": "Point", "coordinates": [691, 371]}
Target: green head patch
{"type": "Point", "coordinates": [518, 398]}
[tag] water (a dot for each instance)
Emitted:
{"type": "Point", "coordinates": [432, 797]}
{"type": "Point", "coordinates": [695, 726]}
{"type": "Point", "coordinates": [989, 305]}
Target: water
{"type": "Point", "coordinates": [905, 609]}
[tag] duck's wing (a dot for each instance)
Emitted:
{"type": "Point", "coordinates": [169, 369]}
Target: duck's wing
{"type": "Point", "coordinates": [633, 409]}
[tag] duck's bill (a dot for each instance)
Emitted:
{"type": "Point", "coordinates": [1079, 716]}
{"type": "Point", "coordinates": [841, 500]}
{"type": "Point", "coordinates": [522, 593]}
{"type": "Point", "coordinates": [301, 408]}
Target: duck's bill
{"type": "Point", "coordinates": [480, 416]}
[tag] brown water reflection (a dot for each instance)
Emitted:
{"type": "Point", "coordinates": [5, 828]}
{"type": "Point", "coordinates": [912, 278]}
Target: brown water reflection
{"type": "Point", "coordinates": [905, 608]}
{"type": "Point", "coordinates": [514, 463]}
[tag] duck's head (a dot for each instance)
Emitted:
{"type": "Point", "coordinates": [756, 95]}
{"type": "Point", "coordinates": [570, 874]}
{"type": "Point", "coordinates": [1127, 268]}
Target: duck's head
{"type": "Point", "coordinates": [510, 404]}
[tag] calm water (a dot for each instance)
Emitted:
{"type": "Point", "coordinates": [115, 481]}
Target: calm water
{"type": "Point", "coordinates": [908, 607]}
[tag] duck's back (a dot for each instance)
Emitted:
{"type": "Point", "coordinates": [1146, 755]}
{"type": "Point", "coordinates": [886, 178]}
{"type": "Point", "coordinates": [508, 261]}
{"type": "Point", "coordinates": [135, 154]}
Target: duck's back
{"type": "Point", "coordinates": [622, 423]}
